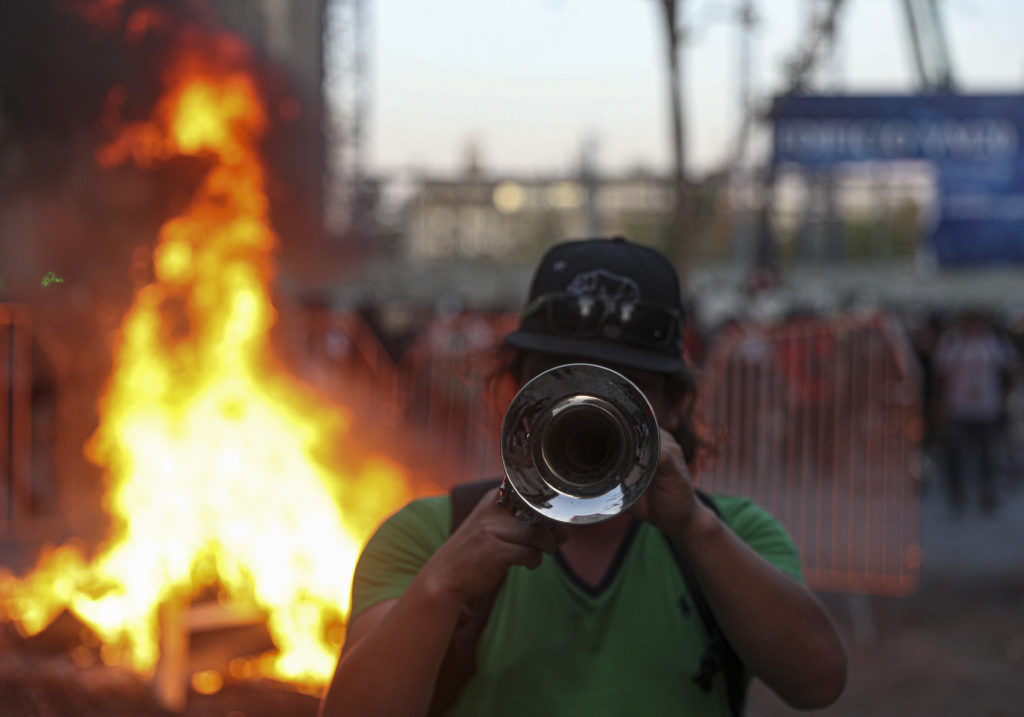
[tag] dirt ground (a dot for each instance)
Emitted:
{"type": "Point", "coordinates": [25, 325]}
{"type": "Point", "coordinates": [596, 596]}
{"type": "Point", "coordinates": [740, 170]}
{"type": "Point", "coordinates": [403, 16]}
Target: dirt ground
{"type": "Point", "coordinates": [954, 648]}
{"type": "Point", "coordinates": [52, 692]}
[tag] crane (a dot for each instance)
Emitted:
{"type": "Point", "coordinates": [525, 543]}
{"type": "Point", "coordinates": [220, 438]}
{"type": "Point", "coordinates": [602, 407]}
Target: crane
{"type": "Point", "coordinates": [928, 41]}
{"type": "Point", "coordinates": [925, 31]}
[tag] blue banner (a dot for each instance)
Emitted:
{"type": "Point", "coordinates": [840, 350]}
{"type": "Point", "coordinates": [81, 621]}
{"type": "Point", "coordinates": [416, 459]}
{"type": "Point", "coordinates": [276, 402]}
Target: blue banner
{"type": "Point", "coordinates": [974, 142]}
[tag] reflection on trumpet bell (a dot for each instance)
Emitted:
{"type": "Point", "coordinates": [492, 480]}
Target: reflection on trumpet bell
{"type": "Point", "coordinates": [579, 444]}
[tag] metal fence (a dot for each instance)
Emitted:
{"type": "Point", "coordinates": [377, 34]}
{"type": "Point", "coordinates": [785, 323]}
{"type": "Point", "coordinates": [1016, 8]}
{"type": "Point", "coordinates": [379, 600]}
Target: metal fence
{"type": "Point", "coordinates": [431, 390]}
{"type": "Point", "coordinates": [37, 481]}
{"type": "Point", "coordinates": [15, 416]}
{"type": "Point", "coordinates": [818, 421]}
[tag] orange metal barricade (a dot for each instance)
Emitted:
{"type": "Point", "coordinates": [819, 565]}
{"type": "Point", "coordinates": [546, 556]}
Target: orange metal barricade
{"type": "Point", "coordinates": [446, 374]}
{"type": "Point", "coordinates": [819, 421]}
{"type": "Point", "coordinates": [15, 415]}
{"type": "Point", "coordinates": [433, 395]}
{"type": "Point", "coordinates": [39, 479]}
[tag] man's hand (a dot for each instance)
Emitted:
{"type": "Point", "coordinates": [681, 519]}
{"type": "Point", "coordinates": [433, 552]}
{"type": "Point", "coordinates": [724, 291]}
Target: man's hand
{"type": "Point", "coordinates": [475, 558]}
{"type": "Point", "coordinates": [784, 637]}
{"type": "Point", "coordinates": [401, 643]}
{"type": "Point", "coordinates": [670, 502]}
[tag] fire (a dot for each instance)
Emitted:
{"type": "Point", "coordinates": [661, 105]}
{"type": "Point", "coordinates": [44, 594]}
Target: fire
{"type": "Point", "coordinates": [219, 464]}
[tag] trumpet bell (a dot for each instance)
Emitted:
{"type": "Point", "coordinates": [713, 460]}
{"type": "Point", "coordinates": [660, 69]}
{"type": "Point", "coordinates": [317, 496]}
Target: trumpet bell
{"type": "Point", "coordinates": [579, 443]}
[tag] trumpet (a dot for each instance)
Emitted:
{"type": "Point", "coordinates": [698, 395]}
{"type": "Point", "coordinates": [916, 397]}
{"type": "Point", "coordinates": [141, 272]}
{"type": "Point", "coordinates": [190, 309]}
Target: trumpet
{"type": "Point", "coordinates": [579, 444]}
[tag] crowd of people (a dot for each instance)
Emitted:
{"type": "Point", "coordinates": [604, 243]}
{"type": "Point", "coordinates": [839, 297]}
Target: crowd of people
{"type": "Point", "coordinates": [971, 399]}
{"type": "Point", "coordinates": [970, 360]}
{"type": "Point", "coordinates": [970, 372]}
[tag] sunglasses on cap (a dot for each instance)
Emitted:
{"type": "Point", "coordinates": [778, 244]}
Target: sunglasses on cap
{"type": "Point", "coordinates": [582, 316]}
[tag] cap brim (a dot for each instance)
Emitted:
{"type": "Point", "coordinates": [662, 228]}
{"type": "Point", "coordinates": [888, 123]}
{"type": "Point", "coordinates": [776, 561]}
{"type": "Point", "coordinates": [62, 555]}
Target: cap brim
{"type": "Point", "coordinates": [600, 351]}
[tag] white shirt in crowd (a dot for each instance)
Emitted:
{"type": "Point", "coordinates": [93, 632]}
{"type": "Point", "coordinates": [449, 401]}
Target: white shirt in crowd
{"type": "Point", "coordinates": [973, 366]}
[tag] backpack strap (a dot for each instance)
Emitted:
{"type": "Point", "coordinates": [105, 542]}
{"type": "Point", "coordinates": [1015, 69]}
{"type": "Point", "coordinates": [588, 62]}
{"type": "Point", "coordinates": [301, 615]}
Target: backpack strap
{"type": "Point", "coordinates": [459, 662]}
{"type": "Point", "coordinates": [718, 653]}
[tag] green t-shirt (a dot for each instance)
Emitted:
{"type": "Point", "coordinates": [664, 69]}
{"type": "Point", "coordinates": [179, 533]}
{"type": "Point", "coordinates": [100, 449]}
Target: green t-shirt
{"type": "Point", "coordinates": [555, 646]}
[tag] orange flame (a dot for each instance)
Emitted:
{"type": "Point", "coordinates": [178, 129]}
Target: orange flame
{"type": "Point", "coordinates": [215, 458]}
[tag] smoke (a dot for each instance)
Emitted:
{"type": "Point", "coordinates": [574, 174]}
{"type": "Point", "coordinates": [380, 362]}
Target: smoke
{"type": "Point", "coordinates": [71, 73]}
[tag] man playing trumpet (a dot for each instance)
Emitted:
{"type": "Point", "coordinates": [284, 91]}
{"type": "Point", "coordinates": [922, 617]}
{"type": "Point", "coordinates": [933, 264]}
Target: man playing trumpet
{"type": "Point", "coordinates": [669, 607]}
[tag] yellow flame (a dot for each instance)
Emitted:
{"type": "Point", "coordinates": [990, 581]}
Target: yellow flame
{"type": "Point", "coordinates": [213, 454]}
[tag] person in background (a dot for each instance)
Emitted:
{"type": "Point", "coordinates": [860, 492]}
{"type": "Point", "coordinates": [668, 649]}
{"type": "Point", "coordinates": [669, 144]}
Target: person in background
{"type": "Point", "coordinates": [924, 334]}
{"type": "Point", "coordinates": [610, 618]}
{"type": "Point", "coordinates": [974, 368]}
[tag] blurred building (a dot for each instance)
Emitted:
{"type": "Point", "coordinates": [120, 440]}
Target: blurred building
{"type": "Point", "coordinates": [869, 210]}
{"type": "Point", "coordinates": [512, 218]}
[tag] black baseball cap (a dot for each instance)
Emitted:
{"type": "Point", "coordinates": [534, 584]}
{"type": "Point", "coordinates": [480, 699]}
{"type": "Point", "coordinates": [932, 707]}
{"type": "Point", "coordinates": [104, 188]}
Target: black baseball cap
{"type": "Point", "coordinates": [607, 300]}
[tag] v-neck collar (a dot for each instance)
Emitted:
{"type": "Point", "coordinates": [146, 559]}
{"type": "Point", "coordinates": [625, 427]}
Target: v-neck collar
{"type": "Point", "coordinates": [613, 568]}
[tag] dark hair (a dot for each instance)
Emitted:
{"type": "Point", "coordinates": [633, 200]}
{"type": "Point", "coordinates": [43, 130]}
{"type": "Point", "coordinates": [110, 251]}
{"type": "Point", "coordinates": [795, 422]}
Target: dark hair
{"type": "Point", "coordinates": [504, 378]}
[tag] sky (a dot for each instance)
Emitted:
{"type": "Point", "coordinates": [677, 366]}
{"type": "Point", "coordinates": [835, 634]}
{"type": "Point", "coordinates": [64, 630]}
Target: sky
{"type": "Point", "coordinates": [528, 82]}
